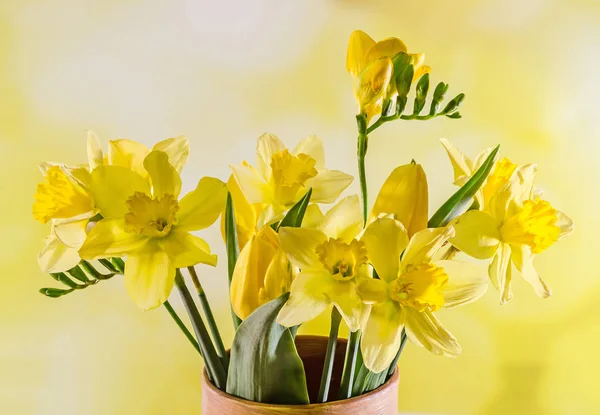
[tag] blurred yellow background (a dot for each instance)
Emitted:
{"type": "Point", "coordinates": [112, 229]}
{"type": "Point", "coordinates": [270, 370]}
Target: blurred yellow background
{"type": "Point", "coordinates": [221, 73]}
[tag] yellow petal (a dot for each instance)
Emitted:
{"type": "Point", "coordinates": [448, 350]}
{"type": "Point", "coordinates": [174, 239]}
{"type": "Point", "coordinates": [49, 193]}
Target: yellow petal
{"type": "Point", "coordinates": [307, 299]}
{"type": "Point", "coordinates": [178, 150]}
{"type": "Point", "coordinates": [108, 238]}
{"type": "Point", "coordinates": [385, 238]}
{"type": "Point", "coordinates": [420, 71]}
{"type": "Point", "coordinates": [405, 195]}
{"type": "Point", "coordinates": [424, 329]}
{"type": "Point", "coordinates": [278, 278]}
{"type": "Point", "coordinates": [201, 207]}
{"type": "Point", "coordinates": [186, 250]}
{"type": "Point", "coordinates": [165, 179]}
{"type": "Point", "coordinates": [56, 256]}
{"type": "Point", "coordinates": [477, 234]}
{"type": "Point", "coordinates": [94, 151]}
{"type": "Point", "coordinates": [328, 185]}
{"type": "Point", "coordinates": [565, 224]}
{"type": "Point", "coordinates": [149, 276]}
{"type": "Point", "coordinates": [267, 145]}
{"type": "Point", "coordinates": [372, 291]}
{"type": "Point", "coordinates": [313, 216]}
{"type": "Point", "coordinates": [500, 272]}
{"type": "Point", "coordinates": [344, 220]}
{"type": "Point", "coordinates": [522, 257]}
{"type": "Point", "coordinates": [344, 296]}
{"type": "Point", "coordinates": [254, 187]}
{"type": "Point", "coordinates": [508, 199]}
{"type": "Point", "coordinates": [71, 232]}
{"type": "Point", "coordinates": [461, 164]}
{"type": "Point", "coordinates": [424, 245]}
{"type": "Point", "coordinates": [358, 46]}
{"type": "Point", "coordinates": [129, 154]}
{"type": "Point", "coordinates": [373, 109]}
{"type": "Point", "coordinates": [389, 48]}
{"type": "Point", "coordinates": [244, 212]}
{"type": "Point", "coordinates": [112, 186]}
{"type": "Point", "coordinates": [466, 282]}
{"type": "Point", "coordinates": [312, 146]}
{"type": "Point", "coordinates": [300, 245]}
{"type": "Point", "coordinates": [372, 83]}
{"type": "Point", "coordinates": [381, 336]}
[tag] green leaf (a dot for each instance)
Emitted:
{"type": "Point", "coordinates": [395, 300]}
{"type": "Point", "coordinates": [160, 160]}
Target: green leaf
{"type": "Point", "coordinates": [295, 215]}
{"type": "Point", "coordinates": [231, 242]}
{"type": "Point", "coordinates": [403, 73]}
{"type": "Point", "coordinates": [264, 365]}
{"type": "Point", "coordinates": [365, 380]}
{"type": "Point", "coordinates": [460, 201]}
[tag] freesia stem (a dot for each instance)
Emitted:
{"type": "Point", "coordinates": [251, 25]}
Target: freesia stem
{"type": "Point", "coordinates": [182, 326]}
{"type": "Point", "coordinates": [403, 339]}
{"type": "Point", "coordinates": [210, 319]}
{"type": "Point", "coordinates": [336, 318]}
{"type": "Point", "coordinates": [213, 363]}
{"type": "Point", "coordinates": [361, 153]}
{"type": "Point", "coordinates": [349, 365]}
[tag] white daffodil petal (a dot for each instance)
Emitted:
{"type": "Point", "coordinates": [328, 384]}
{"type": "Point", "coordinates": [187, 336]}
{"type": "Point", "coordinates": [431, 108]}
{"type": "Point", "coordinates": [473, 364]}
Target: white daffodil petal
{"type": "Point", "coordinates": [70, 233]}
{"type": "Point", "coordinates": [381, 336]}
{"type": "Point", "coordinates": [94, 151]}
{"type": "Point", "coordinates": [57, 257]}
{"type": "Point", "coordinates": [466, 282]}
{"type": "Point", "coordinates": [424, 329]}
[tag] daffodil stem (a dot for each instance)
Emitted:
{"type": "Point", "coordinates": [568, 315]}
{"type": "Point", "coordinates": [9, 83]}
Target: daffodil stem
{"type": "Point", "coordinates": [182, 326]}
{"type": "Point", "coordinates": [349, 365]}
{"type": "Point", "coordinates": [231, 243]}
{"type": "Point", "coordinates": [214, 366]}
{"type": "Point", "coordinates": [361, 153]}
{"type": "Point", "coordinates": [210, 318]}
{"type": "Point", "coordinates": [336, 318]}
{"type": "Point", "coordinates": [403, 339]}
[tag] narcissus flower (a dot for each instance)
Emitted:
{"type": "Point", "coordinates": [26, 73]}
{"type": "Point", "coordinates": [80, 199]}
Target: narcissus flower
{"type": "Point", "coordinates": [150, 226]}
{"type": "Point", "coordinates": [283, 177]}
{"type": "Point", "coordinates": [410, 290]}
{"type": "Point", "coordinates": [515, 227]}
{"type": "Point", "coordinates": [332, 262]}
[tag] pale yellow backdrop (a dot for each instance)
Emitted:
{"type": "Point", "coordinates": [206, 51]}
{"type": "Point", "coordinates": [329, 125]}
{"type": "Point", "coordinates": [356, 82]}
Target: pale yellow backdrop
{"type": "Point", "coordinates": [224, 72]}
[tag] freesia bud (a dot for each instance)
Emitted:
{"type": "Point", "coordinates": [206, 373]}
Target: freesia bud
{"type": "Point", "coordinates": [372, 83]}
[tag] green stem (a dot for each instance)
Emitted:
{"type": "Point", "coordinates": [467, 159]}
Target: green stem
{"type": "Point", "coordinates": [231, 243]}
{"type": "Point", "coordinates": [182, 326]}
{"type": "Point", "coordinates": [336, 318]}
{"type": "Point", "coordinates": [213, 363]}
{"type": "Point", "coordinates": [395, 361]}
{"type": "Point", "coordinates": [361, 152]}
{"type": "Point", "coordinates": [349, 365]}
{"type": "Point", "coordinates": [210, 319]}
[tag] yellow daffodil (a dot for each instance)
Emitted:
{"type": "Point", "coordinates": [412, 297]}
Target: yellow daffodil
{"type": "Point", "coordinates": [515, 227]}
{"type": "Point", "coordinates": [332, 262]}
{"type": "Point", "coordinates": [409, 290]}
{"type": "Point", "coordinates": [370, 64]}
{"type": "Point", "coordinates": [150, 226]}
{"type": "Point", "coordinates": [283, 177]}
{"type": "Point", "coordinates": [464, 168]}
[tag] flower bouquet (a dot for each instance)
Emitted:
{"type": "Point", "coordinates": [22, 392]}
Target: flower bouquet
{"type": "Point", "coordinates": [383, 268]}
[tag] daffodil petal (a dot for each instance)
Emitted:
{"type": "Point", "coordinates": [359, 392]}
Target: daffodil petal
{"type": "Point", "coordinates": [254, 187]}
{"type": "Point", "coordinates": [358, 46]}
{"type": "Point", "coordinates": [500, 272]}
{"type": "Point", "coordinates": [389, 47]}
{"type": "Point", "coordinates": [112, 186]}
{"type": "Point", "coordinates": [94, 151]}
{"type": "Point", "coordinates": [71, 232]}
{"type": "Point", "coordinates": [165, 179]}
{"type": "Point", "coordinates": [312, 146]}
{"type": "Point", "coordinates": [381, 336]}
{"type": "Point", "coordinates": [477, 234]}
{"type": "Point", "coordinates": [509, 198]}
{"type": "Point", "coordinates": [372, 290]}
{"type": "Point", "coordinates": [522, 257]}
{"type": "Point", "coordinates": [467, 282]}
{"type": "Point", "coordinates": [461, 164]}
{"type": "Point", "coordinates": [385, 238]}
{"type": "Point", "coordinates": [178, 150]}
{"type": "Point", "coordinates": [129, 154]}
{"type": "Point", "coordinates": [328, 185]}
{"type": "Point", "coordinates": [267, 145]}
{"type": "Point", "coordinates": [307, 299]}
{"type": "Point", "coordinates": [149, 276]}
{"type": "Point", "coordinates": [565, 224]}
{"type": "Point", "coordinates": [300, 245]}
{"type": "Point", "coordinates": [344, 296]}
{"type": "Point", "coordinates": [424, 245]}
{"type": "Point", "coordinates": [186, 250]}
{"type": "Point", "coordinates": [201, 207]}
{"type": "Point", "coordinates": [313, 216]}
{"type": "Point", "coordinates": [108, 238]}
{"type": "Point", "coordinates": [344, 220]}
{"type": "Point", "coordinates": [424, 329]}
{"type": "Point", "coordinates": [56, 256]}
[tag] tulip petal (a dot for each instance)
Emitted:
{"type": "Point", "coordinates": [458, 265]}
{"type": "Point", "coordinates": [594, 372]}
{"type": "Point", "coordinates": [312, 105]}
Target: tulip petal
{"type": "Point", "coordinates": [245, 213]}
{"type": "Point", "coordinates": [128, 154]}
{"type": "Point", "coordinates": [358, 46]}
{"type": "Point", "coordinates": [381, 336]}
{"type": "Point", "coordinates": [201, 207]}
{"type": "Point", "coordinates": [344, 296]}
{"type": "Point", "coordinates": [466, 282]}
{"type": "Point", "coordinates": [477, 234]}
{"type": "Point", "coordinates": [328, 185]}
{"type": "Point", "coordinates": [461, 164]}
{"type": "Point", "coordinates": [267, 145]}
{"type": "Point", "coordinates": [108, 238]}
{"type": "Point", "coordinates": [385, 238]}
{"type": "Point", "coordinates": [500, 272]}
{"type": "Point", "coordinates": [312, 146]}
{"type": "Point", "coordinates": [178, 150]}
{"type": "Point", "coordinates": [254, 187]}
{"type": "Point", "coordinates": [424, 245]}
{"type": "Point", "coordinates": [186, 250]}
{"type": "Point", "coordinates": [389, 47]}
{"type": "Point", "coordinates": [149, 276]}
{"type": "Point", "coordinates": [300, 245]}
{"type": "Point", "coordinates": [278, 278]}
{"type": "Point", "coordinates": [522, 257]}
{"type": "Point", "coordinates": [165, 179]}
{"type": "Point", "coordinates": [424, 329]}
{"type": "Point", "coordinates": [94, 151]}
{"type": "Point", "coordinates": [344, 220]}
{"type": "Point", "coordinates": [112, 186]}
{"type": "Point", "coordinates": [56, 256]}
{"type": "Point", "coordinates": [307, 299]}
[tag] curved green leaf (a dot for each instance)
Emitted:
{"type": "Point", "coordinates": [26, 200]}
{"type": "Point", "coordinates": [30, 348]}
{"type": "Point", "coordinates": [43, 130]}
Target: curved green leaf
{"type": "Point", "coordinates": [460, 201]}
{"type": "Point", "coordinates": [264, 364]}
{"type": "Point", "coordinates": [295, 215]}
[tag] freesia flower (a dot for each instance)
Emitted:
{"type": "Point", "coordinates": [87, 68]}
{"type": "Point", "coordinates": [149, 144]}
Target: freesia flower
{"type": "Point", "coordinates": [150, 226]}
{"type": "Point", "coordinates": [332, 262]}
{"type": "Point", "coordinates": [515, 227]}
{"type": "Point", "coordinates": [410, 290]}
{"type": "Point", "coordinates": [283, 177]}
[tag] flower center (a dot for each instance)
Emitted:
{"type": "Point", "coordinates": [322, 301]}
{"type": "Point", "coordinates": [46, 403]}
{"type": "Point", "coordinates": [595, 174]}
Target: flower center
{"type": "Point", "coordinates": [60, 197]}
{"type": "Point", "coordinates": [290, 173]}
{"type": "Point", "coordinates": [151, 217]}
{"type": "Point", "coordinates": [342, 260]}
{"type": "Point", "coordinates": [499, 176]}
{"type": "Point", "coordinates": [420, 287]}
{"type": "Point", "coordinates": [534, 225]}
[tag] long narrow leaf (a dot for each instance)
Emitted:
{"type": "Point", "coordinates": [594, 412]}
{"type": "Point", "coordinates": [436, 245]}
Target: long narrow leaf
{"type": "Point", "coordinates": [231, 242]}
{"type": "Point", "coordinates": [295, 215]}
